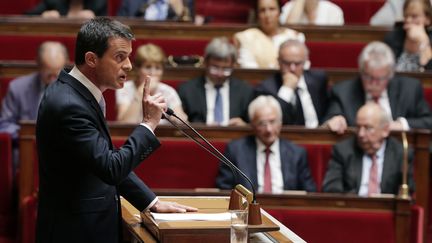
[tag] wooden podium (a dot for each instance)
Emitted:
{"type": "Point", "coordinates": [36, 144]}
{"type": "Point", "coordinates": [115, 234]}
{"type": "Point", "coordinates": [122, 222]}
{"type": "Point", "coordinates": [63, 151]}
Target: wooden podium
{"type": "Point", "coordinates": [146, 229]}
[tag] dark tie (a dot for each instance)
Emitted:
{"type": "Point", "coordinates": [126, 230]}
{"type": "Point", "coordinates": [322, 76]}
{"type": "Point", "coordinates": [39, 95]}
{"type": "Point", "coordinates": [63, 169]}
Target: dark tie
{"type": "Point", "coordinates": [102, 105]}
{"type": "Point", "coordinates": [299, 109]}
{"type": "Point", "coordinates": [267, 172]}
{"type": "Point", "coordinates": [218, 109]}
{"type": "Point", "coordinates": [373, 177]}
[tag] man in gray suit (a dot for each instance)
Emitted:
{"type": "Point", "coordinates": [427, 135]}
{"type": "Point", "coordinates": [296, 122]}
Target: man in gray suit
{"type": "Point", "coordinates": [369, 163]}
{"type": "Point", "coordinates": [24, 93]}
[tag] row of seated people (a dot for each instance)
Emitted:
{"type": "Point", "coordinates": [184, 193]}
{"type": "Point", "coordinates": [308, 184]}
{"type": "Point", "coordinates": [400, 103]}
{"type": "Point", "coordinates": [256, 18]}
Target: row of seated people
{"type": "Point", "coordinates": [258, 47]}
{"type": "Point", "coordinates": [336, 12]}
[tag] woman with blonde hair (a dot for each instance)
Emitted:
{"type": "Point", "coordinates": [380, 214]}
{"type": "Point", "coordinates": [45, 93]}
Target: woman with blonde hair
{"type": "Point", "coordinates": [149, 61]}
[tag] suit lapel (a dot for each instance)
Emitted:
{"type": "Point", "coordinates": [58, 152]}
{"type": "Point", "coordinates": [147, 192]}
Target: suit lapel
{"type": "Point", "coordinates": [390, 161]}
{"type": "Point", "coordinates": [393, 93]}
{"type": "Point", "coordinates": [286, 159]}
{"type": "Point", "coordinates": [357, 168]}
{"type": "Point", "coordinates": [251, 160]}
{"type": "Point", "coordinates": [201, 97]}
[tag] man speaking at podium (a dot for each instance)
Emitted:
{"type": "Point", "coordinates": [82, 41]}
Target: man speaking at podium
{"type": "Point", "coordinates": [81, 175]}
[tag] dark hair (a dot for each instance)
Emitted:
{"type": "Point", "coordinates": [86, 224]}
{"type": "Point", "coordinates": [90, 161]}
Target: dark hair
{"type": "Point", "coordinates": [94, 35]}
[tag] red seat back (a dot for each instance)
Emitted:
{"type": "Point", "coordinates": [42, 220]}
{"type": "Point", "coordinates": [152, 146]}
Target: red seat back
{"type": "Point", "coordinates": [318, 158]}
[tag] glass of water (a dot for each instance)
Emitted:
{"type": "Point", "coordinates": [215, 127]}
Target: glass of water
{"type": "Point", "coordinates": [239, 226]}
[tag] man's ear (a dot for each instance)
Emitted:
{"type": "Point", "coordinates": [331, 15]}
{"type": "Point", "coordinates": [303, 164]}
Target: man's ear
{"type": "Point", "coordinates": [91, 59]}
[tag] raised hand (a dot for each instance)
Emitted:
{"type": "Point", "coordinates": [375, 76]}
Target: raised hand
{"type": "Point", "coordinates": [153, 105]}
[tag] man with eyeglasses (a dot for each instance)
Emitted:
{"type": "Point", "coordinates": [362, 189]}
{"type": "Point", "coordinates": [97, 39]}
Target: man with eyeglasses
{"type": "Point", "coordinates": [216, 98]}
{"type": "Point", "coordinates": [301, 93]}
{"type": "Point", "coordinates": [273, 164]}
{"type": "Point", "coordinates": [370, 162]}
{"type": "Point", "coordinates": [400, 97]}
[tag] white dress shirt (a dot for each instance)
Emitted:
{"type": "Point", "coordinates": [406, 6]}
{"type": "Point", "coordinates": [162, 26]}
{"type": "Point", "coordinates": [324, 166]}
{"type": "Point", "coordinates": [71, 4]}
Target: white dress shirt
{"type": "Point", "coordinates": [309, 113]}
{"type": "Point", "coordinates": [210, 91]}
{"type": "Point", "coordinates": [275, 166]}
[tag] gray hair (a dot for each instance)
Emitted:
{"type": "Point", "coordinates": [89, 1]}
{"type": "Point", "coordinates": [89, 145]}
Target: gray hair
{"type": "Point", "coordinates": [377, 55]}
{"type": "Point", "coordinates": [51, 46]}
{"type": "Point", "coordinates": [297, 43]}
{"type": "Point", "coordinates": [264, 101]}
{"type": "Point", "coordinates": [220, 48]}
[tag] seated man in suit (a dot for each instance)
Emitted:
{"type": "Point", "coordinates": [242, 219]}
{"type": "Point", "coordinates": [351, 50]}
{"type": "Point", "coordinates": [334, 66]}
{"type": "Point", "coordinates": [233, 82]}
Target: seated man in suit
{"type": "Point", "coordinates": [217, 98]}
{"type": "Point", "coordinates": [370, 162]}
{"type": "Point", "coordinates": [24, 93]}
{"type": "Point", "coordinates": [401, 97]}
{"type": "Point", "coordinates": [301, 93]}
{"type": "Point", "coordinates": [273, 164]}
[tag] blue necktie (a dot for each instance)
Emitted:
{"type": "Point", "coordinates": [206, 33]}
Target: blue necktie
{"type": "Point", "coordinates": [218, 109]}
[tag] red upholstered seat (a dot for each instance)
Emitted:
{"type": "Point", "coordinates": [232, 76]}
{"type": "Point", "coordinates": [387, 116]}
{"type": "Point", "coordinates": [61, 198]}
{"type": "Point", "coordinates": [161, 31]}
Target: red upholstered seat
{"type": "Point", "coordinates": [358, 12]}
{"type": "Point", "coordinates": [28, 219]}
{"type": "Point", "coordinates": [328, 54]}
{"type": "Point", "coordinates": [179, 164]}
{"type": "Point", "coordinates": [216, 10]}
{"type": "Point", "coordinates": [318, 158]}
{"type": "Point", "coordinates": [7, 211]}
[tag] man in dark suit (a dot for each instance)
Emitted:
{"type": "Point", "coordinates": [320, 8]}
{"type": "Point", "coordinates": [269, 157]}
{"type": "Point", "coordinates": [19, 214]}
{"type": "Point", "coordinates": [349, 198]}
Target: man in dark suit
{"type": "Point", "coordinates": [182, 10]}
{"type": "Point", "coordinates": [301, 93]}
{"type": "Point", "coordinates": [369, 163]}
{"type": "Point", "coordinates": [217, 98]}
{"type": "Point", "coordinates": [272, 164]}
{"type": "Point", "coordinates": [81, 174]}
{"type": "Point", "coordinates": [70, 8]}
{"type": "Point", "coordinates": [401, 97]}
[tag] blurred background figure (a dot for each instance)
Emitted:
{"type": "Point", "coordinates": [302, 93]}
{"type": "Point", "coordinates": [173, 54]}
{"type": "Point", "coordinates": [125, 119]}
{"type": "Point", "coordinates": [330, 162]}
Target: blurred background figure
{"type": "Point", "coordinates": [273, 164]}
{"type": "Point", "coordinates": [410, 42]}
{"type": "Point", "coordinates": [24, 93]}
{"type": "Point", "coordinates": [217, 98]}
{"type": "Point", "coordinates": [86, 9]}
{"type": "Point", "coordinates": [390, 13]}
{"type": "Point", "coordinates": [158, 10]}
{"type": "Point", "coordinates": [149, 61]}
{"type": "Point", "coordinates": [317, 12]}
{"type": "Point", "coordinates": [302, 94]}
{"type": "Point", "coordinates": [258, 47]}
{"type": "Point", "coordinates": [369, 163]}
{"type": "Point", "coordinates": [401, 97]}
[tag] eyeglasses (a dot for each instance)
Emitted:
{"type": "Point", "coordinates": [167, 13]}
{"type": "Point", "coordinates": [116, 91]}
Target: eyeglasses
{"type": "Point", "coordinates": [220, 70]}
{"type": "Point", "coordinates": [367, 129]}
{"type": "Point", "coordinates": [290, 63]}
{"type": "Point", "coordinates": [370, 78]}
{"type": "Point", "coordinates": [262, 124]}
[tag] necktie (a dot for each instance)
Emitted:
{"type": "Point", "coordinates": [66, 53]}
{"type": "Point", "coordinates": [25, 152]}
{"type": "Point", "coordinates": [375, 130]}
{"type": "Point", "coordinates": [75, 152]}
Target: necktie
{"type": "Point", "coordinates": [218, 109]}
{"type": "Point", "coordinates": [267, 172]}
{"type": "Point", "coordinates": [299, 109]}
{"type": "Point", "coordinates": [373, 177]}
{"type": "Point", "coordinates": [102, 105]}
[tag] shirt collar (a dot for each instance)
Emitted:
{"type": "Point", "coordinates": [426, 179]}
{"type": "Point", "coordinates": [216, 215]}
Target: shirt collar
{"type": "Point", "coordinates": [261, 147]}
{"type": "Point", "coordinates": [78, 75]}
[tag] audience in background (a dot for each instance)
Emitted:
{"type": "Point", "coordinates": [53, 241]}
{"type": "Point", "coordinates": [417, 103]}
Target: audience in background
{"type": "Point", "coordinates": [258, 47]}
{"type": "Point", "coordinates": [400, 97]}
{"type": "Point", "coordinates": [371, 162]}
{"type": "Point", "coordinates": [273, 164]}
{"type": "Point", "coordinates": [158, 10]}
{"type": "Point", "coordinates": [410, 42]}
{"type": "Point", "coordinates": [217, 98]}
{"type": "Point", "coordinates": [389, 13]}
{"type": "Point", "coordinates": [86, 9]}
{"type": "Point", "coordinates": [24, 93]}
{"type": "Point", "coordinates": [317, 12]}
{"type": "Point", "coordinates": [301, 93]}
{"type": "Point", "coordinates": [149, 61]}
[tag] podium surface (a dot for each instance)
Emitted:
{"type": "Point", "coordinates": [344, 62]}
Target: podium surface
{"type": "Point", "coordinates": [146, 229]}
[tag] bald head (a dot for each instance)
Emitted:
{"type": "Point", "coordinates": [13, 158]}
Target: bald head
{"type": "Point", "coordinates": [373, 127]}
{"type": "Point", "coordinates": [52, 57]}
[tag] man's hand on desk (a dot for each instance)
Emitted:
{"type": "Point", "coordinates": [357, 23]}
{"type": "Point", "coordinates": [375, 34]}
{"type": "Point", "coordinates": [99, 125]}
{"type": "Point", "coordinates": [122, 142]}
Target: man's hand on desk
{"type": "Point", "coordinates": [171, 207]}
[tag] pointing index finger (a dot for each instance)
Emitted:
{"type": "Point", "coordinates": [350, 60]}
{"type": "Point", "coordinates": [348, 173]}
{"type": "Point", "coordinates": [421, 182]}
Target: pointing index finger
{"type": "Point", "coordinates": [146, 89]}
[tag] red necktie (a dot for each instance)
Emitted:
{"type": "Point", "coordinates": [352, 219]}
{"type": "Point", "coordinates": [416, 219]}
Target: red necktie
{"type": "Point", "coordinates": [267, 173]}
{"type": "Point", "coordinates": [373, 177]}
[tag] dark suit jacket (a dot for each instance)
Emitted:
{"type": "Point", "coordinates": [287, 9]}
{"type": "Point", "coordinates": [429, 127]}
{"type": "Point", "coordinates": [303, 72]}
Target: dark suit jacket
{"type": "Point", "coordinates": [405, 97]}
{"type": "Point", "coordinates": [99, 7]}
{"type": "Point", "coordinates": [396, 39]}
{"type": "Point", "coordinates": [193, 97]}
{"type": "Point", "coordinates": [81, 174]}
{"type": "Point", "coordinates": [131, 8]}
{"type": "Point", "coordinates": [242, 152]}
{"type": "Point", "coordinates": [316, 82]}
{"type": "Point", "coordinates": [345, 168]}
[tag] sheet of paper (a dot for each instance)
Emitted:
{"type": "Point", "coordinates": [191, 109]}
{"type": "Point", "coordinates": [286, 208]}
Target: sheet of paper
{"type": "Point", "coordinates": [191, 216]}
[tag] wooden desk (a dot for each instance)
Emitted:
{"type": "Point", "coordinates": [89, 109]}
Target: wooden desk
{"type": "Point", "coordinates": [140, 233]}
{"type": "Point", "coordinates": [27, 26]}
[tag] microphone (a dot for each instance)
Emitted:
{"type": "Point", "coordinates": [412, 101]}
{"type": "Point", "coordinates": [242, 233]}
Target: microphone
{"type": "Point", "coordinates": [211, 149]}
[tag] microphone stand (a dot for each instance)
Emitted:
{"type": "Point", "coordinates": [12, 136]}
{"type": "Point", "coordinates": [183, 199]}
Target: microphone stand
{"type": "Point", "coordinates": [254, 207]}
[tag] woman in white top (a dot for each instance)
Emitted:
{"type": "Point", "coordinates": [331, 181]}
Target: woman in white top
{"type": "Point", "coordinates": [258, 47]}
{"type": "Point", "coordinates": [317, 12]}
{"type": "Point", "coordinates": [149, 61]}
